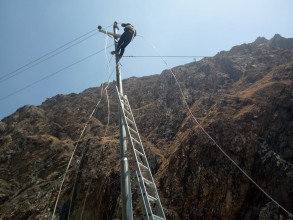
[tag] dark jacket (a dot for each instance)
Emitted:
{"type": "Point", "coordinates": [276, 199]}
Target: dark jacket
{"type": "Point", "coordinates": [129, 27]}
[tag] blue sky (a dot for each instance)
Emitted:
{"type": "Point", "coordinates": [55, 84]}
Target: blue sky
{"type": "Point", "coordinates": [32, 28]}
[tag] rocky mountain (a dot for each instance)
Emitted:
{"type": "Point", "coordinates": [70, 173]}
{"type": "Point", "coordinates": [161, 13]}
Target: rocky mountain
{"type": "Point", "coordinates": [243, 98]}
{"type": "Point", "coordinates": [277, 41]}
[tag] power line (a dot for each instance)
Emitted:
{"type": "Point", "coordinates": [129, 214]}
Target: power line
{"type": "Point", "coordinates": [33, 63]}
{"type": "Point", "coordinates": [50, 75]}
{"type": "Point", "coordinates": [53, 55]}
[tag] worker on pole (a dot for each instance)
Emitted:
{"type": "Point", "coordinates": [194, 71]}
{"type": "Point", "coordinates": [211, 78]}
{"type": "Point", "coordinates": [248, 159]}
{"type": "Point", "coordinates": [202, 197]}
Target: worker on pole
{"type": "Point", "coordinates": [125, 39]}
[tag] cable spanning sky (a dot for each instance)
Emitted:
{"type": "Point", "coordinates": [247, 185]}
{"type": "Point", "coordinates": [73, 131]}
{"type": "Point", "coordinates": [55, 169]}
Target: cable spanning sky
{"type": "Point", "coordinates": [31, 29]}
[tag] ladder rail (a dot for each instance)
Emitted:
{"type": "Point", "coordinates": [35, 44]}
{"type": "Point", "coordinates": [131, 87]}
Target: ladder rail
{"type": "Point", "coordinates": [147, 164]}
{"type": "Point", "coordinates": [141, 186]}
{"type": "Point", "coordinates": [141, 198]}
{"type": "Point", "coordinates": [143, 167]}
{"type": "Point", "coordinates": [140, 179]}
{"type": "Point", "coordinates": [139, 139]}
{"type": "Point", "coordinates": [138, 136]}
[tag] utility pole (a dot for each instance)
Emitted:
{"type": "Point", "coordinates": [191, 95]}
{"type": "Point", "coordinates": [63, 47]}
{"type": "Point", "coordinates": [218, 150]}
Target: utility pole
{"type": "Point", "coordinates": [126, 197]}
{"type": "Point", "coordinates": [147, 191]}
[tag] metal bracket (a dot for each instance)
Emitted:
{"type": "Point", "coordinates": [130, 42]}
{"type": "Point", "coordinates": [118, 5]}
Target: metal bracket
{"type": "Point", "coordinates": [110, 33]}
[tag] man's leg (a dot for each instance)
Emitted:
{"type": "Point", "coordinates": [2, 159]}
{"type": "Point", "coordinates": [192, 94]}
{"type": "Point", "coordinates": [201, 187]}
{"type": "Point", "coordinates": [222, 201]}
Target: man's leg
{"type": "Point", "coordinates": [119, 47]}
{"type": "Point", "coordinates": [121, 52]}
{"type": "Point", "coordinates": [124, 41]}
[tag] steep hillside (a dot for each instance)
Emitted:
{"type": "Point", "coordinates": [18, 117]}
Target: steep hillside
{"type": "Point", "coordinates": [243, 98]}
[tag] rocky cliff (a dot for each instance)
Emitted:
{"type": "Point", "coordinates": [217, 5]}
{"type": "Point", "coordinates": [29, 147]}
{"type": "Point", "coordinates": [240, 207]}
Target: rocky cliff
{"type": "Point", "coordinates": [277, 41]}
{"type": "Point", "coordinates": [243, 98]}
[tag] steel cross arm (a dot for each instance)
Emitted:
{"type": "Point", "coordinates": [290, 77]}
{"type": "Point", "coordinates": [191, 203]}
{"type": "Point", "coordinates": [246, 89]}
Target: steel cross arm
{"type": "Point", "coordinates": [110, 33]}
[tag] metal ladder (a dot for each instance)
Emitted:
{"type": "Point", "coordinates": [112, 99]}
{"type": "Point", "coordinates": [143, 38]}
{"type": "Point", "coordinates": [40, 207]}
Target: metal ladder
{"type": "Point", "coordinates": [147, 191]}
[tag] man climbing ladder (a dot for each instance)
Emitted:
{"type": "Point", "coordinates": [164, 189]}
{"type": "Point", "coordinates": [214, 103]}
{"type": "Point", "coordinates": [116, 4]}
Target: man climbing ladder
{"type": "Point", "coordinates": [125, 39]}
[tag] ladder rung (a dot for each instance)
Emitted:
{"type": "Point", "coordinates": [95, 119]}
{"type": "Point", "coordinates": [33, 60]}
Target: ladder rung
{"type": "Point", "coordinates": [141, 154]}
{"type": "Point", "coordinates": [122, 97]}
{"type": "Point", "coordinates": [152, 199]}
{"type": "Point", "coordinates": [128, 113]}
{"type": "Point", "coordinates": [126, 106]}
{"type": "Point", "coordinates": [136, 141]}
{"type": "Point", "coordinates": [158, 217]}
{"type": "Point", "coordinates": [147, 182]}
{"type": "Point", "coordinates": [131, 122]}
{"type": "Point", "coordinates": [133, 131]}
{"type": "Point", "coordinates": [124, 102]}
{"type": "Point", "coordinates": [143, 166]}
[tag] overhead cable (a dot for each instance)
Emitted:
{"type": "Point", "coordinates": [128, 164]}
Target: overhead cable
{"type": "Point", "coordinates": [46, 57]}
{"type": "Point", "coordinates": [50, 75]}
